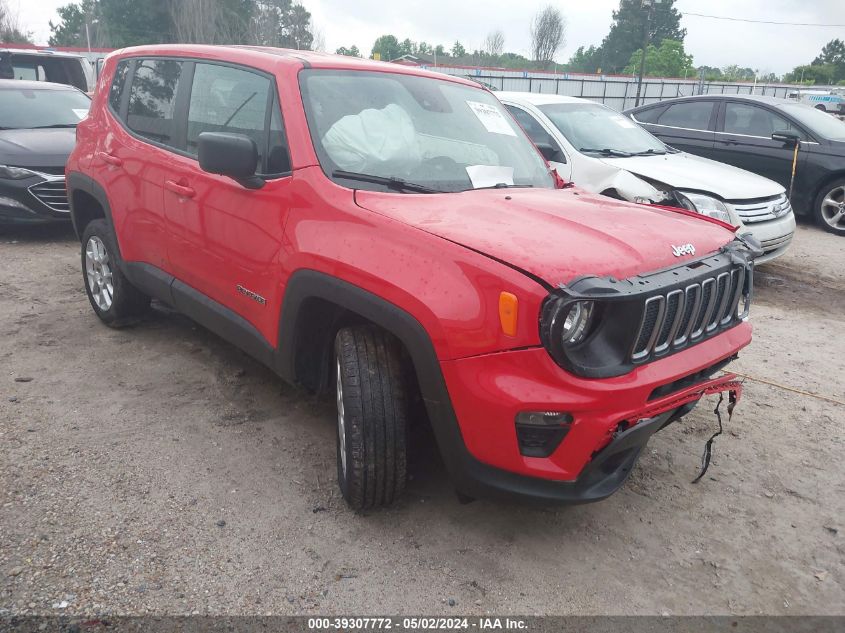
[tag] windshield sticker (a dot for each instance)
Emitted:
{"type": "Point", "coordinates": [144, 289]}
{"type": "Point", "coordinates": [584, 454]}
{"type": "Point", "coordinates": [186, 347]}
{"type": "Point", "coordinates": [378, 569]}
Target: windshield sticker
{"type": "Point", "coordinates": [80, 112]}
{"type": "Point", "coordinates": [623, 121]}
{"type": "Point", "coordinates": [491, 118]}
{"type": "Point", "coordinates": [489, 175]}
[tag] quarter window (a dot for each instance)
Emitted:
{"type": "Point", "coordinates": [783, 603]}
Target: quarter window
{"type": "Point", "coordinates": [119, 81]}
{"type": "Point", "coordinates": [751, 120]}
{"type": "Point", "coordinates": [152, 99]}
{"type": "Point", "coordinates": [693, 115]}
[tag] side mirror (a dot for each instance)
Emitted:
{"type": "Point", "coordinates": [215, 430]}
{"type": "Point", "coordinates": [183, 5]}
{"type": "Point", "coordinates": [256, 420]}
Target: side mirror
{"type": "Point", "coordinates": [232, 155]}
{"type": "Point", "coordinates": [551, 152]}
{"type": "Point", "coordinates": [787, 137]}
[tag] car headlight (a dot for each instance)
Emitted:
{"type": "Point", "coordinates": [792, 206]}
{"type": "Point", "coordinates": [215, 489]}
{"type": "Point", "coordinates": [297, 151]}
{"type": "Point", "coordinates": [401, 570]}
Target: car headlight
{"type": "Point", "coordinates": [570, 323]}
{"type": "Point", "coordinates": [15, 173]}
{"type": "Point", "coordinates": [705, 205]}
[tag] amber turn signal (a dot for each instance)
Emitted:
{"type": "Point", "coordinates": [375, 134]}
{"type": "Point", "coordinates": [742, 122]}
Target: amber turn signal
{"type": "Point", "coordinates": [508, 310]}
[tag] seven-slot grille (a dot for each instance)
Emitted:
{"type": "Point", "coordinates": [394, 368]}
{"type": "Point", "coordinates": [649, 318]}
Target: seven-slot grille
{"type": "Point", "coordinates": [685, 316]}
{"type": "Point", "coordinates": [764, 210]}
{"type": "Point", "coordinates": [53, 193]}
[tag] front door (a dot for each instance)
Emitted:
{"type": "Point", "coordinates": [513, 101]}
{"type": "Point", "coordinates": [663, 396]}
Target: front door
{"type": "Point", "coordinates": [225, 241]}
{"type": "Point", "coordinates": [745, 140]}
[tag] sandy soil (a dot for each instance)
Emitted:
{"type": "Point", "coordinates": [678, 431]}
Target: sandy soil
{"type": "Point", "coordinates": [158, 469]}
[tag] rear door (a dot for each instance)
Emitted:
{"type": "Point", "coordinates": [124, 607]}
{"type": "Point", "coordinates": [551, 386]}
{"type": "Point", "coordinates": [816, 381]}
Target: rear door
{"type": "Point", "coordinates": [131, 160]}
{"type": "Point", "coordinates": [686, 125]}
{"type": "Point", "coordinates": [225, 241]}
{"type": "Point", "coordinates": [744, 139]}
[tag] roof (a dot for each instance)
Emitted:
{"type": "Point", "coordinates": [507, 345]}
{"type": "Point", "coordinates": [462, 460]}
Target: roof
{"type": "Point", "coordinates": [538, 99]}
{"type": "Point", "coordinates": [20, 84]}
{"type": "Point", "coordinates": [39, 53]}
{"type": "Point", "coordinates": [773, 101]}
{"type": "Point", "coordinates": [265, 55]}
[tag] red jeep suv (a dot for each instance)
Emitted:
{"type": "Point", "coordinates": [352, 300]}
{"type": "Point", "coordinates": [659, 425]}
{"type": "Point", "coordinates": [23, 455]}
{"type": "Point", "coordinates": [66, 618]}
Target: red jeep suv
{"type": "Point", "coordinates": [393, 235]}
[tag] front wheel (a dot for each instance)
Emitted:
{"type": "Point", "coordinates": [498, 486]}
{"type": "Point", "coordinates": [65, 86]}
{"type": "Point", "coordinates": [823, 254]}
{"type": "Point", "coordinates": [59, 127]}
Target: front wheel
{"type": "Point", "coordinates": [830, 207]}
{"type": "Point", "coordinates": [372, 417]}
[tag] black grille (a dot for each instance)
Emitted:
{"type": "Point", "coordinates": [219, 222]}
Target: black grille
{"type": "Point", "coordinates": [53, 193]}
{"type": "Point", "coordinates": [685, 316]}
{"type": "Point", "coordinates": [53, 171]}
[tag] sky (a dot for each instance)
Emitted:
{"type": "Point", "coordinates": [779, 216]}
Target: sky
{"type": "Point", "coordinates": [763, 47]}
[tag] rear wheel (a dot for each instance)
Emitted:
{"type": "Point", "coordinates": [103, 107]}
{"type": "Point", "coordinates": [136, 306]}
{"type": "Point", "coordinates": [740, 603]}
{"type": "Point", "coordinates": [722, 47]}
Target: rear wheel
{"type": "Point", "coordinates": [114, 299]}
{"type": "Point", "coordinates": [372, 417]}
{"type": "Point", "coordinates": [830, 207]}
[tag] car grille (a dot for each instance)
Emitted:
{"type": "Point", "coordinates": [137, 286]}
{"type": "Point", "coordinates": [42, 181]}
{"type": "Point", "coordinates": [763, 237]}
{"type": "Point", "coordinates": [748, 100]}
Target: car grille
{"type": "Point", "coordinates": [763, 210]}
{"type": "Point", "coordinates": [686, 316]}
{"type": "Point", "coordinates": [53, 193]}
{"type": "Point", "coordinates": [53, 171]}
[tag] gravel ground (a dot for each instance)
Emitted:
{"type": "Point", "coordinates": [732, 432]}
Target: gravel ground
{"type": "Point", "coordinates": [159, 470]}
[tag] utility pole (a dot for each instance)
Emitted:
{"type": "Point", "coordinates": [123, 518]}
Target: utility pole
{"type": "Point", "coordinates": [648, 6]}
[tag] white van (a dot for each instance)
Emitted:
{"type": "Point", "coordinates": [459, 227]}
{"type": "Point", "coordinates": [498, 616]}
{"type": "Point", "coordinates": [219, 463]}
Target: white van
{"type": "Point", "coordinates": [604, 152]}
{"type": "Point", "coordinates": [824, 100]}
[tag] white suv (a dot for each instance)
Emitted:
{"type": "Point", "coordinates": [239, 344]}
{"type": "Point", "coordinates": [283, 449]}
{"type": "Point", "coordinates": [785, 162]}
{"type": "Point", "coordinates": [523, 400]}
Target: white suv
{"type": "Point", "coordinates": [604, 152]}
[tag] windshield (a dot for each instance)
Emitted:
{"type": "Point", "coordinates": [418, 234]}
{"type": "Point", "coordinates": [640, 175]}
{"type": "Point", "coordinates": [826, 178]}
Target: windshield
{"type": "Point", "coordinates": [438, 135]}
{"type": "Point", "coordinates": [593, 128]}
{"type": "Point", "coordinates": [23, 108]}
{"type": "Point", "coordinates": [819, 123]}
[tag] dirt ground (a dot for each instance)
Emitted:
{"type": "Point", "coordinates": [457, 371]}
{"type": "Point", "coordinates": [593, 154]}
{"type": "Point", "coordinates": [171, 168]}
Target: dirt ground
{"type": "Point", "coordinates": [159, 470]}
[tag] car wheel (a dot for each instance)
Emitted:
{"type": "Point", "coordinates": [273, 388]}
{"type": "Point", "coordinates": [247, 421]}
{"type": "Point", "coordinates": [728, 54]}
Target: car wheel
{"type": "Point", "coordinates": [821, 107]}
{"type": "Point", "coordinates": [830, 207]}
{"type": "Point", "coordinates": [114, 299]}
{"type": "Point", "coordinates": [372, 417]}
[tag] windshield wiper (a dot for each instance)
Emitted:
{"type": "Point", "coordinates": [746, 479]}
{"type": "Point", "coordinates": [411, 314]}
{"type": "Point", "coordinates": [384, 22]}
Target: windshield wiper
{"type": "Point", "coordinates": [651, 152]}
{"type": "Point", "coordinates": [55, 125]}
{"type": "Point", "coordinates": [605, 152]}
{"type": "Point", "coordinates": [391, 182]}
{"type": "Point", "coordinates": [502, 185]}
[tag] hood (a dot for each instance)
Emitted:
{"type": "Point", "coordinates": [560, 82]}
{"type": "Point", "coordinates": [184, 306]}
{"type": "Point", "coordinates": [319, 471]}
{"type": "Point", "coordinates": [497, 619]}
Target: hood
{"type": "Point", "coordinates": [685, 171]}
{"type": "Point", "coordinates": [36, 148]}
{"type": "Point", "coordinates": [554, 234]}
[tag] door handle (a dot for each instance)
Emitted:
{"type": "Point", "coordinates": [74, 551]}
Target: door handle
{"type": "Point", "coordinates": [110, 159]}
{"type": "Point", "coordinates": [180, 190]}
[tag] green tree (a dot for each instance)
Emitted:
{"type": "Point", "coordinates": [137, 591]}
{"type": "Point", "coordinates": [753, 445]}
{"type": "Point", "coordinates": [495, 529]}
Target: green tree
{"type": "Point", "coordinates": [407, 47]}
{"type": "Point", "coordinates": [626, 31]}
{"type": "Point", "coordinates": [585, 60]}
{"type": "Point", "coordinates": [441, 51]}
{"type": "Point", "coordinates": [736, 73]}
{"type": "Point", "coordinates": [669, 60]}
{"type": "Point", "coordinates": [349, 52]}
{"type": "Point", "coordinates": [812, 74]}
{"type": "Point", "coordinates": [387, 46]}
{"type": "Point", "coordinates": [833, 53]}
{"type": "Point", "coordinates": [458, 49]}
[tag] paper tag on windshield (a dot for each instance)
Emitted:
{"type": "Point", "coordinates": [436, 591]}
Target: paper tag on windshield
{"type": "Point", "coordinates": [489, 175]}
{"type": "Point", "coordinates": [624, 122]}
{"type": "Point", "coordinates": [491, 118]}
{"type": "Point", "coordinates": [81, 113]}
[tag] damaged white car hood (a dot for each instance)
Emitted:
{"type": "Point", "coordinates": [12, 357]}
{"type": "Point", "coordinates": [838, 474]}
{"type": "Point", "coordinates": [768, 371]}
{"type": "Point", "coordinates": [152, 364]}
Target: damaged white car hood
{"type": "Point", "coordinates": [693, 173]}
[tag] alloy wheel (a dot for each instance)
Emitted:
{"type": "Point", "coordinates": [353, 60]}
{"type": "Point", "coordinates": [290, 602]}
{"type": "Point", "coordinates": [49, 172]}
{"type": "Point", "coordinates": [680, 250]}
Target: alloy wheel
{"type": "Point", "coordinates": [833, 208]}
{"type": "Point", "coordinates": [99, 273]}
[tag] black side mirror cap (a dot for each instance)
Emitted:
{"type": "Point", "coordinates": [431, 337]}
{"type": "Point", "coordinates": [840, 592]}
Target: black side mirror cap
{"type": "Point", "coordinates": [551, 152]}
{"type": "Point", "coordinates": [232, 155]}
{"type": "Point", "coordinates": [787, 137]}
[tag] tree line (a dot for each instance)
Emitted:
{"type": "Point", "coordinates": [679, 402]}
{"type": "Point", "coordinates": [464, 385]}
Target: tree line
{"type": "Point", "coordinates": [119, 23]}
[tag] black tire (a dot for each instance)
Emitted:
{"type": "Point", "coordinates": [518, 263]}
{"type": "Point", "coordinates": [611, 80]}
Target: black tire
{"type": "Point", "coordinates": [371, 385]}
{"type": "Point", "coordinates": [127, 302]}
{"type": "Point", "coordinates": [834, 190]}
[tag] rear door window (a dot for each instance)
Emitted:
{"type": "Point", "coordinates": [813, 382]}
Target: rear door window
{"type": "Point", "coordinates": [692, 115]}
{"type": "Point", "coordinates": [152, 100]}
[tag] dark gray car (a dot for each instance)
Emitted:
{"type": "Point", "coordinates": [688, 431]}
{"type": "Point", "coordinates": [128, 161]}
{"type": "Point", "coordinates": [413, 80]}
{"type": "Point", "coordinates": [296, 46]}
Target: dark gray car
{"type": "Point", "coordinates": [759, 134]}
{"type": "Point", "coordinates": [37, 133]}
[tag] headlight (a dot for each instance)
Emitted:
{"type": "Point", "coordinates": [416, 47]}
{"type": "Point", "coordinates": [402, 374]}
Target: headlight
{"type": "Point", "coordinates": [571, 323]}
{"type": "Point", "coordinates": [15, 173]}
{"type": "Point", "coordinates": [705, 205]}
